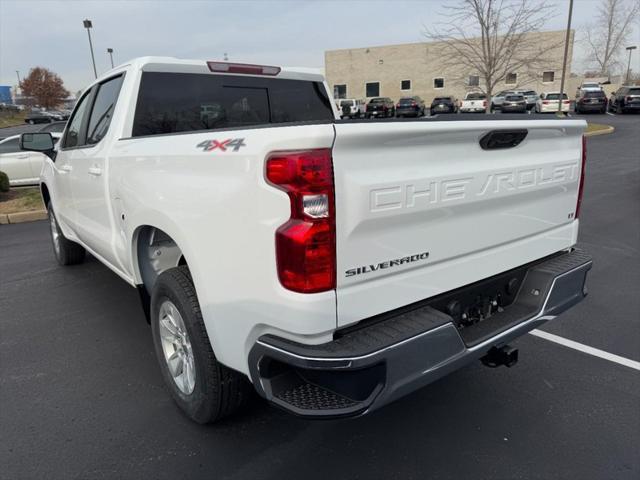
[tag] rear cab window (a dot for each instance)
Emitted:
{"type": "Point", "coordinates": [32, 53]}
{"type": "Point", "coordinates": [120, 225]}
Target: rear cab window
{"type": "Point", "coordinates": [170, 102]}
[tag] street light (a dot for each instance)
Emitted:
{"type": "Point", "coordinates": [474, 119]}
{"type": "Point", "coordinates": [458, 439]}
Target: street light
{"type": "Point", "coordinates": [564, 60]}
{"type": "Point", "coordinates": [633, 47]}
{"type": "Point", "coordinates": [88, 25]}
{"type": "Point", "coordinates": [110, 52]}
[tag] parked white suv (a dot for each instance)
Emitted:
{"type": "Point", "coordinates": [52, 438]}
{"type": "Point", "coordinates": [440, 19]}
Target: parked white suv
{"type": "Point", "coordinates": [324, 262]}
{"type": "Point", "coordinates": [474, 102]}
{"type": "Point", "coordinates": [22, 168]}
{"type": "Point", "coordinates": [352, 108]}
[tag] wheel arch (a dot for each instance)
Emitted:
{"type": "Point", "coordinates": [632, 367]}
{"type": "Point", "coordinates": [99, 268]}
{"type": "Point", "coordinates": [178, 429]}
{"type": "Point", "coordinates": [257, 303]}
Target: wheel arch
{"type": "Point", "coordinates": [154, 250]}
{"type": "Point", "coordinates": [46, 196]}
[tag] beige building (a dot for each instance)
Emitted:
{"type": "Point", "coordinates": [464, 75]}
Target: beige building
{"type": "Point", "coordinates": [416, 69]}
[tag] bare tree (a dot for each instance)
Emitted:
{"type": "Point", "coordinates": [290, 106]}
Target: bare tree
{"type": "Point", "coordinates": [608, 34]}
{"type": "Point", "coordinates": [493, 39]}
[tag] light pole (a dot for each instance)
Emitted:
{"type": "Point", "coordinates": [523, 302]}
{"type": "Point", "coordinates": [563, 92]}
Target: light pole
{"type": "Point", "coordinates": [18, 75]}
{"type": "Point", "coordinates": [110, 52]}
{"type": "Point", "coordinates": [633, 47]}
{"type": "Point", "coordinates": [564, 61]}
{"type": "Point", "coordinates": [88, 25]}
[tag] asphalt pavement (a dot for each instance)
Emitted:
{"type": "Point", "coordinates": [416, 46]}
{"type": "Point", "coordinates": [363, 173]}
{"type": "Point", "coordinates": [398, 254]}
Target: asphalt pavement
{"type": "Point", "coordinates": [81, 396]}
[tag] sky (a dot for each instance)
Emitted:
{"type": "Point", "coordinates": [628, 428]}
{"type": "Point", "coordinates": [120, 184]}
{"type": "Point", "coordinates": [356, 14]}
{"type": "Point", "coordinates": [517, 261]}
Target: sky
{"type": "Point", "coordinates": [50, 33]}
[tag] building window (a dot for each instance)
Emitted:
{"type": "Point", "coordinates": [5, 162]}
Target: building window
{"type": "Point", "coordinates": [405, 85]}
{"type": "Point", "coordinates": [474, 81]}
{"type": "Point", "coordinates": [339, 91]}
{"type": "Point", "coordinates": [372, 89]}
{"type": "Point", "coordinates": [438, 82]}
{"type": "Point", "coordinates": [548, 77]}
{"type": "Point", "coordinates": [512, 79]}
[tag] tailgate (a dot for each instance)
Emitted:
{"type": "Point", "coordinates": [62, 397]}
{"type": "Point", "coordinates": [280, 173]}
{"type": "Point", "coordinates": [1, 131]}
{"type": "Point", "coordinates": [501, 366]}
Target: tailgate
{"type": "Point", "coordinates": [422, 209]}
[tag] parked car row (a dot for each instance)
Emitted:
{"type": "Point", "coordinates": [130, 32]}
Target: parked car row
{"type": "Point", "coordinates": [590, 97]}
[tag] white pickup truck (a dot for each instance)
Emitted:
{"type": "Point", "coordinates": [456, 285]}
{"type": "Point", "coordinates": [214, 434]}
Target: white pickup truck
{"type": "Point", "coordinates": [335, 265]}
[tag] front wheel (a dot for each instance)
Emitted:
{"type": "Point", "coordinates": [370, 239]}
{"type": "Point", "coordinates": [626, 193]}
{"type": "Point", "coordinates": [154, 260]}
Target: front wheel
{"type": "Point", "coordinates": [31, 122]}
{"type": "Point", "coordinates": [202, 387]}
{"type": "Point", "coordinates": [66, 251]}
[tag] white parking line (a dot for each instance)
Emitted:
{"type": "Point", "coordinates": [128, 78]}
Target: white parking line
{"type": "Point", "coordinates": [587, 349]}
{"type": "Point", "coordinates": [609, 113]}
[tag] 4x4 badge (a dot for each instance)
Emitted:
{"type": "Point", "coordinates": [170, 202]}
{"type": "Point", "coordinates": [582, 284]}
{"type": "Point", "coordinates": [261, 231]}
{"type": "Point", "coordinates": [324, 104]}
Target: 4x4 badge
{"type": "Point", "coordinates": [223, 145]}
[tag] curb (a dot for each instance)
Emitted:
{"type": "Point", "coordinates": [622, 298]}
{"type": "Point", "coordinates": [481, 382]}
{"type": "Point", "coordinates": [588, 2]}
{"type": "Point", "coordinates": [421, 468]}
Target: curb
{"type": "Point", "coordinates": [21, 217]}
{"type": "Point", "coordinates": [604, 131]}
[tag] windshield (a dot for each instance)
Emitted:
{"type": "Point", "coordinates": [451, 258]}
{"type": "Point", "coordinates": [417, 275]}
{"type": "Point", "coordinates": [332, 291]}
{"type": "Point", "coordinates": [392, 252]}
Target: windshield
{"type": "Point", "coordinates": [529, 92]}
{"type": "Point", "coordinates": [475, 96]}
{"type": "Point", "coordinates": [346, 103]}
{"type": "Point", "coordinates": [514, 98]}
{"type": "Point", "coordinates": [442, 100]}
{"type": "Point", "coordinates": [406, 100]}
{"type": "Point", "coordinates": [378, 100]}
{"type": "Point", "coordinates": [634, 91]}
{"type": "Point", "coordinates": [594, 95]}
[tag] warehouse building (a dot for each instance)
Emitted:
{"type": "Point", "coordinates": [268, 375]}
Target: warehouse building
{"type": "Point", "coordinates": [416, 69]}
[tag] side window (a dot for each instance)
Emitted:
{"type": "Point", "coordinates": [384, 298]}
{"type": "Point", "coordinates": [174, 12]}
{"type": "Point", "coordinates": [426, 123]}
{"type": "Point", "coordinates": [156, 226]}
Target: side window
{"type": "Point", "coordinates": [102, 111]}
{"type": "Point", "coordinates": [10, 146]}
{"type": "Point", "coordinates": [74, 136]}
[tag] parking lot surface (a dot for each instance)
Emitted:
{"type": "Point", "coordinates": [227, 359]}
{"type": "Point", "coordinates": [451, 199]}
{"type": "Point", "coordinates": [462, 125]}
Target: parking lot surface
{"type": "Point", "coordinates": [81, 395]}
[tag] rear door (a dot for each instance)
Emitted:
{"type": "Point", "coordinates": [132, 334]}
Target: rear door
{"type": "Point", "coordinates": [422, 209]}
{"type": "Point", "coordinates": [94, 225]}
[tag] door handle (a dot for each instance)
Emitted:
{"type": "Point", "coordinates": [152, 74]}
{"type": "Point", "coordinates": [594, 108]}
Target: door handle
{"type": "Point", "coordinates": [95, 171]}
{"type": "Point", "coordinates": [23, 156]}
{"type": "Point", "coordinates": [66, 168]}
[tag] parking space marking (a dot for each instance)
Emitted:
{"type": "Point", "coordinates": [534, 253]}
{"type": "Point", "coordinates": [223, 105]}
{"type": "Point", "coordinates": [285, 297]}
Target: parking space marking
{"type": "Point", "coordinates": [609, 113]}
{"type": "Point", "coordinates": [587, 349]}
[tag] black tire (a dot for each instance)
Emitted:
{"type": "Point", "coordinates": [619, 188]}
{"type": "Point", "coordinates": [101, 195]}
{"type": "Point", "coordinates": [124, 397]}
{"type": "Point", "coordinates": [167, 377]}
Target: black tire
{"type": "Point", "coordinates": [65, 251]}
{"type": "Point", "coordinates": [218, 391]}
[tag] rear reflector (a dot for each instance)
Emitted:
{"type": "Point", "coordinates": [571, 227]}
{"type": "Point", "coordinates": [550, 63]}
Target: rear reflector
{"type": "Point", "coordinates": [582, 172]}
{"type": "Point", "coordinates": [243, 68]}
{"type": "Point", "coordinates": [306, 243]}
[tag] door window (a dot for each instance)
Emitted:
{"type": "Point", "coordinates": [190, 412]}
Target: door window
{"type": "Point", "coordinates": [10, 146]}
{"type": "Point", "coordinates": [102, 111]}
{"type": "Point", "coordinates": [75, 134]}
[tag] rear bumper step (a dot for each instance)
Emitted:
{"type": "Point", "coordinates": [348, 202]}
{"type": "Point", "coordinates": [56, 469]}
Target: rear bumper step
{"type": "Point", "coordinates": [372, 366]}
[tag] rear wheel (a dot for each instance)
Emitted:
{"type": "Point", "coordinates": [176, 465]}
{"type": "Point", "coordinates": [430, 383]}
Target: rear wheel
{"type": "Point", "coordinates": [202, 387]}
{"type": "Point", "coordinates": [66, 251]}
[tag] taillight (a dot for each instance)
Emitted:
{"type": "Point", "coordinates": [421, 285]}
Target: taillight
{"type": "Point", "coordinates": [306, 243]}
{"type": "Point", "coordinates": [484, 103]}
{"type": "Point", "coordinates": [582, 171]}
{"type": "Point", "coordinates": [545, 102]}
{"type": "Point", "coordinates": [566, 101]}
{"type": "Point", "coordinates": [398, 106]}
{"type": "Point", "coordinates": [627, 99]}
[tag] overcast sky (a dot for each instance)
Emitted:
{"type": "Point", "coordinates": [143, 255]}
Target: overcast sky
{"type": "Point", "coordinates": [50, 33]}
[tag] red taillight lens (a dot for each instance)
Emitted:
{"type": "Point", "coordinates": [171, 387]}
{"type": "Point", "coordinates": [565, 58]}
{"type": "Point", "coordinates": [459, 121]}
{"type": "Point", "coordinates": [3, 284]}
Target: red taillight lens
{"type": "Point", "coordinates": [484, 103]}
{"type": "Point", "coordinates": [545, 102]}
{"type": "Point", "coordinates": [582, 171]}
{"type": "Point", "coordinates": [306, 243]}
{"type": "Point", "coordinates": [398, 106]}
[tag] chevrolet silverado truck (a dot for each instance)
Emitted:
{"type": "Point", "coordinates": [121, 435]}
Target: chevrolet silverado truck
{"type": "Point", "coordinates": [334, 265]}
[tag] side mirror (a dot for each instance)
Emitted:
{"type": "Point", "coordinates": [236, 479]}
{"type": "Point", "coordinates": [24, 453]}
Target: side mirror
{"type": "Point", "coordinates": [38, 142]}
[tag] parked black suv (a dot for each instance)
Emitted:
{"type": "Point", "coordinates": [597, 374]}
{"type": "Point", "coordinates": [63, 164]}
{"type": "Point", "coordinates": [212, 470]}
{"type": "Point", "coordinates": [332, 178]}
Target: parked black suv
{"type": "Point", "coordinates": [380, 107]}
{"type": "Point", "coordinates": [410, 107]}
{"type": "Point", "coordinates": [443, 105]}
{"type": "Point", "coordinates": [625, 99]}
{"type": "Point", "coordinates": [591, 101]}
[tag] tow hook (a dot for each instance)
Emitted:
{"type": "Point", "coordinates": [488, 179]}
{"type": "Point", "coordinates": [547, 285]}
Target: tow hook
{"type": "Point", "coordinates": [495, 357]}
